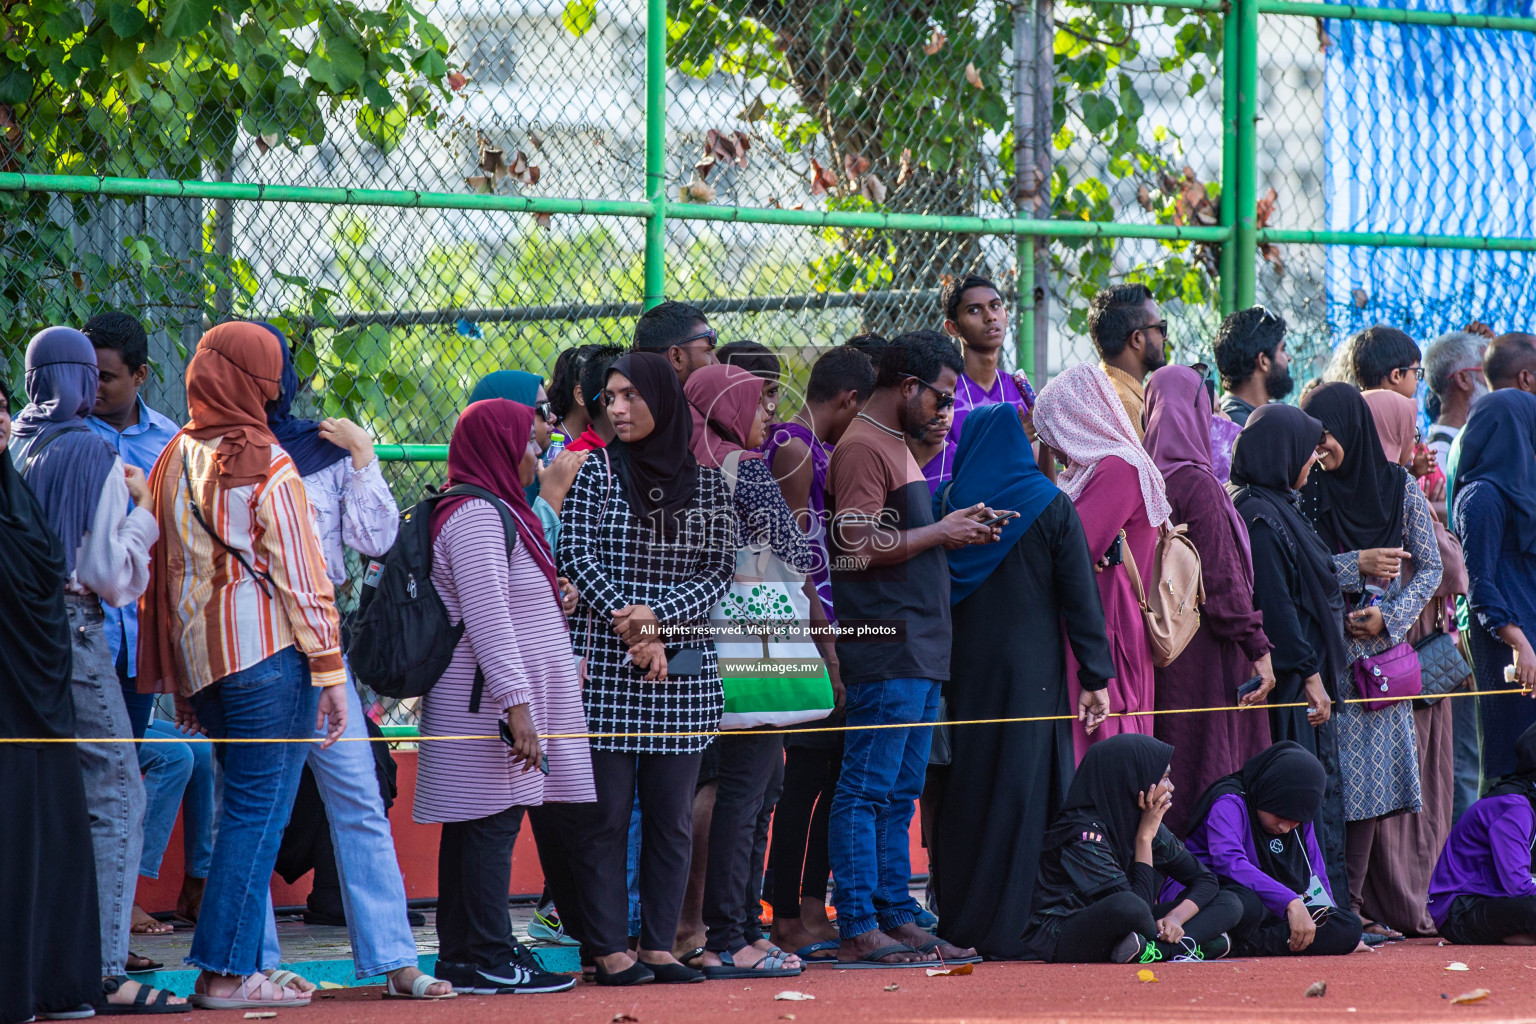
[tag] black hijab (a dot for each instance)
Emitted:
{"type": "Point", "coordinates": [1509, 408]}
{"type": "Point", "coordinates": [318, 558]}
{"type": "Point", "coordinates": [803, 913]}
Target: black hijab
{"type": "Point", "coordinates": [1103, 794]}
{"type": "Point", "coordinates": [659, 473]}
{"type": "Point", "coordinates": [1266, 460]}
{"type": "Point", "coordinates": [1522, 781]}
{"type": "Point", "coordinates": [1360, 504]}
{"type": "Point", "coordinates": [1285, 780]}
{"type": "Point", "coordinates": [34, 627]}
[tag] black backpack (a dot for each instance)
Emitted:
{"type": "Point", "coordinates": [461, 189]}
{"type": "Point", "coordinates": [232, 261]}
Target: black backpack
{"type": "Point", "coordinates": [401, 640]}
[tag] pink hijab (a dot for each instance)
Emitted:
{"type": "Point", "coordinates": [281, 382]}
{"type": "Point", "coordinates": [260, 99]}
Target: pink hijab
{"type": "Point", "coordinates": [723, 400]}
{"type": "Point", "coordinates": [1079, 415]}
{"type": "Point", "coordinates": [1395, 416]}
{"type": "Point", "coordinates": [1179, 434]}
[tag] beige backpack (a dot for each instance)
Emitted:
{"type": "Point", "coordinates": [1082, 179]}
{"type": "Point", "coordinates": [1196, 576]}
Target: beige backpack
{"type": "Point", "coordinates": [1172, 610]}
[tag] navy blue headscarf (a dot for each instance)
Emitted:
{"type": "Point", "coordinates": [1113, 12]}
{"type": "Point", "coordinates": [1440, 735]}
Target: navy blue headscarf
{"type": "Point", "coordinates": [67, 476]}
{"type": "Point", "coordinates": [515, 386]}
{"type": "Point", "coordinates": [300, 438]}
{"type": "Point", "coordinates": [1498, 445]}
{"type": "Point", "coordinates": [994, 465]}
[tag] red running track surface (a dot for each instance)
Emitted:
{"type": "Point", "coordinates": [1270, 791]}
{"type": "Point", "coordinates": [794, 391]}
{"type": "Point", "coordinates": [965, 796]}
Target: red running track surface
{"type": "Point", "coordinates": [1404, 982]}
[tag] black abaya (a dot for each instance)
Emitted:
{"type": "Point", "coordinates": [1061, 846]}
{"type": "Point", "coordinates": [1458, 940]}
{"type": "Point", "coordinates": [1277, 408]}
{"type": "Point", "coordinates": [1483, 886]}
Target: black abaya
{"type": "Point", "coordinates": [1006, 783]}
{"type": "Point", "coordinates": [49, 941]}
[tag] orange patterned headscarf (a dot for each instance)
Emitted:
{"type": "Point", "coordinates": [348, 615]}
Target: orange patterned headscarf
{"type": "Point", "coordinates": [236, 371]}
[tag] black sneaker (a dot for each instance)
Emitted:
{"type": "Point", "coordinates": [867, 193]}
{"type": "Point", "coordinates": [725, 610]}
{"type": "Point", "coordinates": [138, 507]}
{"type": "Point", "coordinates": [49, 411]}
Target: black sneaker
{"type": "Point", "coordinates": [1133, 949]}
{"type": "Point", "coordinates": [507, 979]}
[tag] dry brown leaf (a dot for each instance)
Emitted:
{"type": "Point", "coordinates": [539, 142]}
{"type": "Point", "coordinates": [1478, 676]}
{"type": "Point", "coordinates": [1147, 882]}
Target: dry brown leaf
{"type": "Point", "coordinates": [1359, 297]}
{"type": "Point", "coordinates": [522, 170]}
{"type": "Point", "coordinates": [1144, 197]}
{"type": "Point", "coordinates": [1193, 203]}
{"type": "Point", "coordinates": [1146, 977]}
{"type": "Point", "coordinates": [624, 1018]}
{"type": "Point", "coordinates": [1477, 995]}
{"type": "Point", "coordinates": [755, 111]}
{"type": "Point", "coordinates": [78, 278]}
{"type": "Point", "coordinates": [905, 174]}
{"type": "Point", "coordinates": [972, 75]}
{"type": "Point", "coordinates": [790, 995]}
{"type": "Point", "coordinates": [704, 166]}
{"type": "Point", "coordinates": [1263, 210]}
{"type": "Point", "coordinates": [542, 220]}
{"type": "Point", "coordinates": [822, 180]}
{"type": "Point", "coordinates": [1316, 990]}
{"type": "Point", "coordinates": [950, 972]}
{"type": "Point", "coordinates": [697, 191]}
{"type": "Point", "coordinates": [782, 40]}
{"type": "Point", "coordinates": [855, 165]}
{"type": "Point", "coordinates": [873, 189]}
{"type": "Point", "coordinates": [936, 41]}
{"type": "Point", "coordinates": [892, 988]}
{"type": "Point", "coordinates": [535, 140]}
{"type": "Point", "coordinates": [457, 80]}
{"type": "Point", "coordinates": [1323, 39]}
{"type": "Point", "coordinates": [479, 183]}
{"type": "Point", "coordinates": [492, 160]}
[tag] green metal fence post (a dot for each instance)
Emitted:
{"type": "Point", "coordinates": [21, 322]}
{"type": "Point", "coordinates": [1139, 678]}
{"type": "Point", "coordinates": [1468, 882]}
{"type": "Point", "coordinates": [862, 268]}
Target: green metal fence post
{"type": "Point", "coordinates": [1230, 65]}
{"type": "Point", "coordinates": [1025, 322]}
{"type": "Point", "coordinates": [1245, 241]}
{"type": "Point", "coordinates": [656, 151]}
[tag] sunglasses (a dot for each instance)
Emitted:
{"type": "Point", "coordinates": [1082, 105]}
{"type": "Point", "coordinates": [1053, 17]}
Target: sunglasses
{"type": "Point", "coordinates": [708, 334]}
{"type": "Point", "coordinates": [1204, 370]}
{"type": "Point", "coordinates": [1160, 325]}
{"type": "Point", "coordinates": [945, 399]}
{"type": "Point", "coordinates": [544, 410]}
{"type": "Point", "coordinates": [1266, 316]}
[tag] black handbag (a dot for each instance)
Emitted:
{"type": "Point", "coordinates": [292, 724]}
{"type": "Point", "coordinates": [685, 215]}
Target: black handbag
{"type": "Point", "coordinates": [1442, 666]}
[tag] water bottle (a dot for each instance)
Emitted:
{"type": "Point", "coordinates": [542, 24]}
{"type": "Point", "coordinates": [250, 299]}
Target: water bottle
{"type": "Point", "coordinates": [556, 446]}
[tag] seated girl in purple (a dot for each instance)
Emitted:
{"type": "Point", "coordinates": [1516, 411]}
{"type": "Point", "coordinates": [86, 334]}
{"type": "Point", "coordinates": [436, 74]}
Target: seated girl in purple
{"type": "Point", "coordinates": [1253, 828]}
{"type": "Point", "coordinates": [1483, 891]}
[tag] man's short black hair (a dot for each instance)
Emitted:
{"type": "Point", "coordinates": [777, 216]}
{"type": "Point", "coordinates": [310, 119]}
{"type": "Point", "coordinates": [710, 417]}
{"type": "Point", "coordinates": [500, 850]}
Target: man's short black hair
{"type": "Point", "coordinates": [594, 371]}
{"type": "Point", "coordinates": [751, 356]}
{"type": "Point", "coordinates": [955, 289]}
{"type": "Point", "coordinates": [123, 334]}
{"type": "Point", "coordinates": [922, 354]}
{"type": "Point", "coordinates": [1506, 356]}
{"type": "Point", "coordinates": [841, 369]}
{"type": "Point", "coordinates": [1242, 337]}
{"type": "Point", "coordinates": [565, 378]}
{"type": "Point", "coordinates": [869, 343]}
{"type": "Point", "coordinates": [1378, 351]}
{"type": "Point", "coordinates": [1116, 313]}
{"type": "Point", "coordinates": [661, 327]}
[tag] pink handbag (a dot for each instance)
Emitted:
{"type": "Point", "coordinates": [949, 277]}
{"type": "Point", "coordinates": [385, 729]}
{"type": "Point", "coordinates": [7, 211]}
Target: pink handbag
{"type": "Point", "coordinates": [1394, 673]}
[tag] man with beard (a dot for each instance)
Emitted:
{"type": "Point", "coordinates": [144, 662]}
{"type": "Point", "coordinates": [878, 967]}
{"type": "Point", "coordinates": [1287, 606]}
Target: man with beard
{"type": "Point", "coordinates": [1131, 335]}
{"type": "Point", "coordinates": [1255, 367]}
{"type": "Point", "coordinates": [889, 573]}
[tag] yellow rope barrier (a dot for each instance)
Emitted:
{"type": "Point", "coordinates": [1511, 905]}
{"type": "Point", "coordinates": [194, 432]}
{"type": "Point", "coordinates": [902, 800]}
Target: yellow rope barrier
{"type": "Point", "coordinates": [796, 730]}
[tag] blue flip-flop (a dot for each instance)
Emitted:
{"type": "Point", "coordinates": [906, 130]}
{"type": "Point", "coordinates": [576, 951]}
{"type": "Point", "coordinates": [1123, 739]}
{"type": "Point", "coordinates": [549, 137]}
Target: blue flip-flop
{"type": "Point", "coordinates": [807, 954]}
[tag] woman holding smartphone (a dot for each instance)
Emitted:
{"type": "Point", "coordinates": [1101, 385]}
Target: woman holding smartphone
{"type": "Point", "coordinates": [515, 658]}
{"type": "Point", "coordinates": [648, 537]}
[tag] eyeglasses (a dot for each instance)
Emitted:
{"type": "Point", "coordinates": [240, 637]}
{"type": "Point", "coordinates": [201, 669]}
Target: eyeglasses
{"type": "Point", "coordinates": [1418, 435]}
{"type": "Point", "coordinates": [1417, 371]}
{"type": "Point", "coordinates": [709, 334]}
{"type": "Point", "coordinates": [1467, 369]}
{"type": "Point", "coordinates": [945, 399]}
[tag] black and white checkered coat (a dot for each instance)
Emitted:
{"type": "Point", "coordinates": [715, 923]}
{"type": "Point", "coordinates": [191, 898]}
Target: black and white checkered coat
{"type": "Point", "coordinates": [614, 560]}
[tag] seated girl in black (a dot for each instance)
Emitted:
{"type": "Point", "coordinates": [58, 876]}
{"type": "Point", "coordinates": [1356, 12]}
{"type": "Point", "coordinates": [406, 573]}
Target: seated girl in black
{"type": "Point", "coordinates": [1096, 898]}
{"type": "Point", "coordinates": [1254, 829]}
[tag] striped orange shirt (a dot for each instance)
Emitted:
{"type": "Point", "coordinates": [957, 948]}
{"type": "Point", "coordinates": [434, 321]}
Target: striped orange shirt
{"type": "Point", "coordinates": [226, 620]}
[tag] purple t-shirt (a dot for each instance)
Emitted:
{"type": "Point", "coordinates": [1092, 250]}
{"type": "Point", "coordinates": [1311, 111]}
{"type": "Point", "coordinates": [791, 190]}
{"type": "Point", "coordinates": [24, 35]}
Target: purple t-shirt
{"type": "Point", "coordinates": [940, 469]}
{"type": "Point", "coordinates": [1488, 854]}
{"type": "Point", "coordinates": [969, 395]}
{"type": "Point", "coordinates": [821, 458]}
{"type": "Point", "coordinates": [1224, 843]}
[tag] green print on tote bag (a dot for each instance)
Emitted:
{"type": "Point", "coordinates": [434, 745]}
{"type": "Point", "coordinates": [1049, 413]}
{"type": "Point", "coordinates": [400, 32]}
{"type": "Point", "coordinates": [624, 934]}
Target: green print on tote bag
{"type": "Point", "coordinates": [771, 670]}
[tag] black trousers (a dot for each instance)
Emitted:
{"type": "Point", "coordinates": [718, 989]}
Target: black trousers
{"type": "Point", "coordinates": [665, 783]}
{"type": "Point", "coordinates": [798, 855]}
{"type": "Point", "coordinates": [474, 872]}
{"type": "Point", "coordinates": [562, 833]}
{"type": "Point", "coordinates": [1089, 936]}
{"type": "Point", "coordinates": [1489, 920]}
{"type": "Point", "coordinates": [1263, 933]}
{"type": "Point", "coordinates": [748, 762]}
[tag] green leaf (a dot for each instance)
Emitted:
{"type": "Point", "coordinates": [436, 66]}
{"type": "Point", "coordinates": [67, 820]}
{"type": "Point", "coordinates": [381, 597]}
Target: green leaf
{"type": "Point", "coordinates": [186, 18]}
{"type": "Point", "coordinates": [162, 103]}
{"type": "Point", "coordinates": [15, 83]}
{"type": "Point", "coordinates": [366, 348]}
{"type": "Point", "coordinates": [126, 19]}
{"type": "Point", "coordinates": [579, 16]}
{"type": "Point", "coordinates": [1099, 113]}
{"type": "Point", "coordinates": [383, 130]}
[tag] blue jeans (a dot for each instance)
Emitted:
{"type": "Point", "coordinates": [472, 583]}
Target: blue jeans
{"type": "Point", "coordinates": [882, 777]}
{"type": "Point", "coordinates": [272, 699]}
{"type": "Point", "coordinates": [177, 776]}
{"type": "Point", "coordinates": [372, 891]}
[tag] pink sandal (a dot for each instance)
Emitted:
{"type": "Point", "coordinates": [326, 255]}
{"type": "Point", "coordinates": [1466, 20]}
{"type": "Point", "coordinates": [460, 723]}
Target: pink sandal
{"type": "Point", "coordinates": [257, 992]}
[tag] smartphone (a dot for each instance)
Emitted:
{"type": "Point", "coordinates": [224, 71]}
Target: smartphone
{"type": "Point", "coordinates": [1116, 555]}
{"type": "Point", "coordinates": [506, 737]}
{"type": "Point", "coordinates": [1001, 517]}
{"type": "Point", "coordinates": [1250, 686]}
{"type": "Point", "coordinates": [685, 661]}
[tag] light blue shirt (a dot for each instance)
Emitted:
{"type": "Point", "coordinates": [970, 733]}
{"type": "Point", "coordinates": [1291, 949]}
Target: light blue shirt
{"type": "Point", "coordinates": [140, 445]}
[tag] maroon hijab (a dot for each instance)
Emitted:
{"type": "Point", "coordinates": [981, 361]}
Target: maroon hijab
{"type": "Point", "coordinates": [1178, 420]}
{"type": "Point", "coordinates": [488, 442]}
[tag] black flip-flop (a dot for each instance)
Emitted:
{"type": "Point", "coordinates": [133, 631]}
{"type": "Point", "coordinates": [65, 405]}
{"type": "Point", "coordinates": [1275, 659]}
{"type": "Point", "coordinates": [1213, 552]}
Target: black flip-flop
{"type": "Point", "coordinates": [688, 958]}
{"type": "Point", "coordinates": [932, 946]}
{"type": "Point", "coordinates": [871, 960]}
{"type": "Point", "coordinates": [144, 966]}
